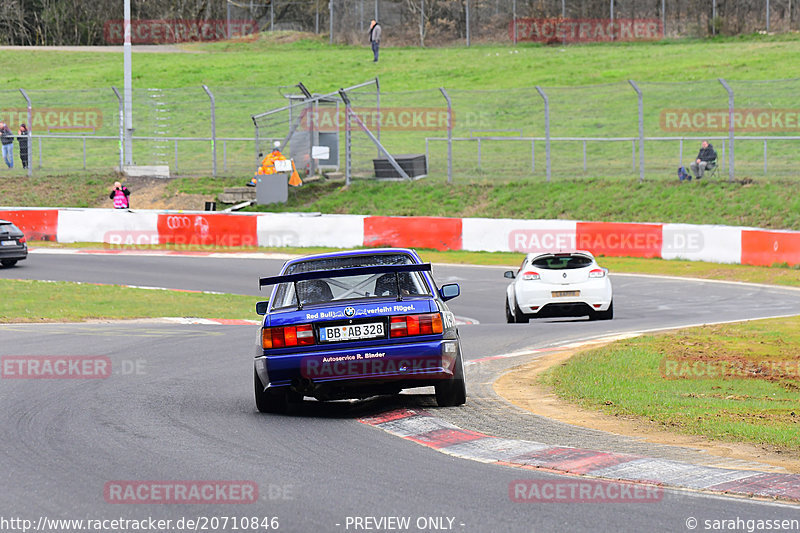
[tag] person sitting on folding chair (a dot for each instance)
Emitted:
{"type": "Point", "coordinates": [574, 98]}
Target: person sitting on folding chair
{"type": "Point", "coordinates": [706, 160]}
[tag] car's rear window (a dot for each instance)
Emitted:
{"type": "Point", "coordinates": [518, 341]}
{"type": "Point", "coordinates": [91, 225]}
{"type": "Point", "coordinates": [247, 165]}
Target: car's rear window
{"type": "Point", "coordinates": [350, 287]}
{"type": "Point", "coordinates": [561, 261]}
{"type": "Point", "coordinates": [8, 227]}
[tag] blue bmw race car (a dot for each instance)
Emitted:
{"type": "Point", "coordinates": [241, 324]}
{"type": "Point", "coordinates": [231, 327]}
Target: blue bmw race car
{"type": "Point", "coordinates": [356, 324]}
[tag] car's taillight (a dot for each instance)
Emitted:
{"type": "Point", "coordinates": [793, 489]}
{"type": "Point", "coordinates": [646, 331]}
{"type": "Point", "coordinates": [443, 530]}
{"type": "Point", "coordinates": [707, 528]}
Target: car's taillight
{"type": "Point", "coordinates": [530, 275]}
{"type": "Point", "coordinates": [287, 336]}
{"type": "Point", "coordinates": [597, 273]}
{"type": "Point", "coordinates": [22, 240]}
{"type": "Point", "coordinates": [408, 325]}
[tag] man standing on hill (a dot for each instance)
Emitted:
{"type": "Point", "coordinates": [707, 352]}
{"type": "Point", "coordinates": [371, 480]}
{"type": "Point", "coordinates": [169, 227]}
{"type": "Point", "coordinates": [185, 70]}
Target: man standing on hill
{"type": "Point", "coordinates": [375, 37]}
{"type": "Point", "coordinates": [7, 140]}
{"type": "Point", "coordinates": [705, 157]}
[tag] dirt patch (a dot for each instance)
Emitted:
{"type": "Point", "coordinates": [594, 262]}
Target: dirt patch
{"type": "Point", "coordinates": [520, 387]}
{"type": "Point", "coordinates": [155, 193]}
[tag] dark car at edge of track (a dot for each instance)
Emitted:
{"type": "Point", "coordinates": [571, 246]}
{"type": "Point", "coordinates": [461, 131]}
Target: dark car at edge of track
{"type": "Point", "coordinates": [13, 245]}
{"type": "Point", "coordinates": [356, 324]}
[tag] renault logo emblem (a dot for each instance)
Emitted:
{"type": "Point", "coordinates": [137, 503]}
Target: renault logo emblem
{"type": "Point", "coordinates": [564, 274]}
{"type": "Point", "coordinates": [349, 311]}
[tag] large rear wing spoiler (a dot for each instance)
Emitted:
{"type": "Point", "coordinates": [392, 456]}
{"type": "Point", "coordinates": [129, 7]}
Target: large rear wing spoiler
{"type": "Point", "coordinates": [342, 272]}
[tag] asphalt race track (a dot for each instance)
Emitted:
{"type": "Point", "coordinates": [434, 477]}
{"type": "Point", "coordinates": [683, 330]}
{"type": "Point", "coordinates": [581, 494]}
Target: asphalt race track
{"type": "Point", "coordinates": [178, 406]}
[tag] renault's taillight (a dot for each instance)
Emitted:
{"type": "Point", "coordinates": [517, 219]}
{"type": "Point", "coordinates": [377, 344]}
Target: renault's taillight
{"type": "Point", "coordinates": [530, 275]}
{"type": "Point", "coordinates": [408, 325]}
{"type": "Point", "coordinates": [597, 273]}
{"type": "Point", "coordinates": [287, 336]}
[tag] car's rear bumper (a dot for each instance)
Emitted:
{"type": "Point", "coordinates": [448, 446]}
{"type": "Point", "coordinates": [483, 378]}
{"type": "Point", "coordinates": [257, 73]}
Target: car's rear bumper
{"type": "Point", "coordinates": [356, 372]}
{"type": "Point", "coordinates": [594, 296]}
{"type": "Point", "coordinates": [18, 252]}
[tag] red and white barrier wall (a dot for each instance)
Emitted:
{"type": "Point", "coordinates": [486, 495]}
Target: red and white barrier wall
{"type": "Point", "coordinates": [718, 244]}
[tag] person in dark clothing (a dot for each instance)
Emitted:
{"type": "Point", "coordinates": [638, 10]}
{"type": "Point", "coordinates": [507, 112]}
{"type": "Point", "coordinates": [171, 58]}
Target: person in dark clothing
{"type": "Point", "coordinates": [120, 196]}
{"type": "Point", "coordinates": [23, 142]}
{"type": "Point", "coordinates": [375, 38]}
{"type": "Point", "coordinates": [706, 160]}
{"type": "Point", "coordinates": [7, 140]}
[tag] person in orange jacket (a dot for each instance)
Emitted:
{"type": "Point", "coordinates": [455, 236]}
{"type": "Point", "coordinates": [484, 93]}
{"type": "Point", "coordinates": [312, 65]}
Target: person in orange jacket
{"type": "Point", "coordinates": [268, 166]}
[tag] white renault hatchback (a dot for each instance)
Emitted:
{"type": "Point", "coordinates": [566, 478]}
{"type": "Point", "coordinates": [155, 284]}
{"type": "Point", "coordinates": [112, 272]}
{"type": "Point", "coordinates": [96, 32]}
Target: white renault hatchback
{"type": "Point", "coordinates": [554, 284]}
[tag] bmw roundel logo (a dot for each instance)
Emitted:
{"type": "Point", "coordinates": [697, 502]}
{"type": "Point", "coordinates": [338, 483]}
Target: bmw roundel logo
{"type": "Point", "coordinates": [349, 311]}
{"type": "Point", "coordinates": [564, 274]}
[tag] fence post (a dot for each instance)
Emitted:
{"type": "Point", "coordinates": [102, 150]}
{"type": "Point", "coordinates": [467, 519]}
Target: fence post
{"type": "Point", "coordinates": [533, 157]}
{"type": "Point", "coordinates": [467, 21]}
{"type": "Point", "coordinates": [347, 145]}
{"type": "Point", "coordinates": [30, 125]}
{"type": "Point", "coordinates": [584, 156]}
{"type": "Point", "coordinates": [641, 129]}
{"type": "Point", "coordinates": [449, 134]}
{"type": "Point", "coordinates": [514, 21]}
{"type": "Point", "coordinates": [121, 128]}
{"type": "Point", "coordinates": [228, 19]}
{"type": "Point", "coordinates": [257, 139]}
{"type": "Point", "coordinates": [127, 87]}
{"type": "Point", "coordinates": [730, 128]}
{"type": "Point", "coordinates": [378, 104]}
{"type": "Point", "coordinates": [767, 9]}
{"type": "Point", "coordinates": [330, 16]}
{"type": "Point", "coordinates": [213, 132]}
{"type": "Point", "coordinates": [714, 17]}
{"type": "Point", "coordinates": [611, 16]}
{"type": "Point", "coordinates": [664, 20]}
{"type": "Point", "coordinates": [546, 129]}
{"type": "Point", "coordinates": [422, 24]}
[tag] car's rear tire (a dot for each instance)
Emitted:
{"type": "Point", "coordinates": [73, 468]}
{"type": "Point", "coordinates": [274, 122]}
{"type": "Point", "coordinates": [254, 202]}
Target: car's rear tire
{"type": "Point", "coordinates": [453, 391]}
{"type": "Point", "coordinates": [268, 401]}
{"type": "Point", "coordinates": [604, 315]}
{"type": "Point", "coordinates": [509, 314]}
{"type": "Point", "coordinates": [519, 316]}
{"type": "Point", "coordinates": [8, 262]}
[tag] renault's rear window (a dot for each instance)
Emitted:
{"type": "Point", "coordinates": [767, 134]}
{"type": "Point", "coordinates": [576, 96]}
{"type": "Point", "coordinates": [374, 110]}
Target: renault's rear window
{"type": "Point", "coordinates": [561, 261]}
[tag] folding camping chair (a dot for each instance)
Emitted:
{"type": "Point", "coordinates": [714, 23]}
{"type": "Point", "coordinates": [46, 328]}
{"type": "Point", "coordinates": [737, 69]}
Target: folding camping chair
{"type": "Point", "coordinates": [712, 168]}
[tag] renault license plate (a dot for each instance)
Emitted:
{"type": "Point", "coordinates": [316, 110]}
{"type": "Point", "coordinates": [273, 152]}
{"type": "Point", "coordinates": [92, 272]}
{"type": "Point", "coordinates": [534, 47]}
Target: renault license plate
{"type": "Point", "coordinates": [563, 294]}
